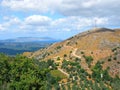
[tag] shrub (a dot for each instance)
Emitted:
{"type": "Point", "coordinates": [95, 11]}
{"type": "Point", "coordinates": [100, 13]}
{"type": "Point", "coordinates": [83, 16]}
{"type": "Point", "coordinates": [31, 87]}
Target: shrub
{"type": "Point", "coordinates": [82, 52]}
{"type": "Point", "coordinates": [65, 55]}
{"type": "Point", "coordinates": [59, 47]}
{"type": "Point", "coordinates": [70, 51]}
{"type": "Point", "coordinates": [88, 59]}
{"type": "Point", "coordinates": [115, 58]}
{"type": "Point", "coordinates": [109, 59]}
{"type": "Point", "coordinates": [58, 58]}
{"type": "Point", "coordinates": [114, 49]}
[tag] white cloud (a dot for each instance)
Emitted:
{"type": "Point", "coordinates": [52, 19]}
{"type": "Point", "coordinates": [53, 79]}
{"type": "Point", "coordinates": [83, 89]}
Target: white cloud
{"type": "Point", "coordinates": [77, 23]}
{"type": "Point", "coordinates": [37, 20]}
{"type": "Point", "coordinates": [89, 8]}
{"type": "Point", "coordinates": [14, 21]}
{"type": "Point", "coordinates": [90, 3]}
{"type": "Point", "coordinates": [1, 28]}
{"type": "Point", "coordinates": [30, 5]}
{"type": "Point", "coordinates": [38, 23]}
{"type": "Point", "coordinates": [10, 24]}
{"type": "Point", "coordinates": [101, 21]}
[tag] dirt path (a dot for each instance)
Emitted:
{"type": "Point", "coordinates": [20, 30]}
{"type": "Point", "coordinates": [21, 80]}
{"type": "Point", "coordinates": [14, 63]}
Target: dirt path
{"type": "Point", "coordinates": [83, 62]}
{"type": "Point", "coordinates": [63, 72]}
{"type": "Point", "coordinates": [74, 53]}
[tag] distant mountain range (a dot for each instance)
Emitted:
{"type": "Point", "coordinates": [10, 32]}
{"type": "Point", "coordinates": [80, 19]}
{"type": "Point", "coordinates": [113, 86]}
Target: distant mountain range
{"type": "Point", "coordinates": [31, 39]}
{"type": "Point", "coordinates": [25, 44]}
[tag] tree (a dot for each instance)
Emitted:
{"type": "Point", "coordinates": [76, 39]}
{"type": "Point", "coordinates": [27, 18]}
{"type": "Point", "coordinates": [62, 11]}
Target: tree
{"type": "Point", "coordinates": [21, 73]}
{"type": "Point", "coordinates": [97, 70]}
{"type": "Point", "coordinates": [88, 59]}
{"type": "Point", "coordinates": [65, 55]}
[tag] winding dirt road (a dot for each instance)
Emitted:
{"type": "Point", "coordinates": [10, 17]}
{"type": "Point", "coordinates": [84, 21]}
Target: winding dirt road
{"type": "Point", "coordinates": [74, 53]}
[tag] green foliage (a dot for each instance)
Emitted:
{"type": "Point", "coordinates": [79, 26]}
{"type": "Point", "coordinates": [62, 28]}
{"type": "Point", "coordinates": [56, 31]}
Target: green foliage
{"type": "Point", "coordinates": [115, 58]}
{"type": "Point", "coordinates": [109, 59]}
{"type": "Point", "coordinates": [82, 52]}
{"type": "Point", "coordinates": [21, 73]}
{"type": "Point", "coordinates": [77, 59]}
{"type": "Point", "coordinates": [14, 48]}
{"type": "Point", "coordinates": [115, 83]}
{"type": "Point", "coordinates": [88, 59]}
{"type": "Point", "coordinates": [114, 49]}
{"type": "Point", "coordinates": [91, 52]}
{"type": "Point", "coordinates": [58, 47]}
{"type": "Point", "coordinates": [65, 55]}
{"type": "Point", "coordinates": [58, 74]}
{"type": "Point", "coordinates": [52, 64]}
{"type": "Point", "coordinates": [97, 70]}
{"type": "Point", "coordinates": [58, 58]}
{"type": "Point", "coordinates": [56, 86]}
{"type": "Point", "coordinates": [76, 43]}
{"type": "Point", "coordinates": [70, 51]}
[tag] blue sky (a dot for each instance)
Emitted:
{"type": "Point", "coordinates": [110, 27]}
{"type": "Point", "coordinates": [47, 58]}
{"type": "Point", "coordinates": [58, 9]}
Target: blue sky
{"type": "Point", "coordinates": [58, 19]}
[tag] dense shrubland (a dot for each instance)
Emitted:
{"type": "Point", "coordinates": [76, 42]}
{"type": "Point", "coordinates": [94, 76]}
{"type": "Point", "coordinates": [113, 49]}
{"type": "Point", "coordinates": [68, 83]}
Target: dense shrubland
{"type": "Point", "coordinates": [21, 73]}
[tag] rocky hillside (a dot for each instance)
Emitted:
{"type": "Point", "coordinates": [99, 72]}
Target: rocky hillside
{"type": "Point", "coordinates": [96, 43]}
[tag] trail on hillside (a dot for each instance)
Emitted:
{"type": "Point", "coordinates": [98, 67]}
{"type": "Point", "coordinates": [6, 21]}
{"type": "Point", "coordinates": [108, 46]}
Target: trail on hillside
{"type": "Point", "coordinates": [74, 53]}
{"type": "Point", "coordinates": [83, 62]}
{"type": "Point", "coordinates": [63, 72]}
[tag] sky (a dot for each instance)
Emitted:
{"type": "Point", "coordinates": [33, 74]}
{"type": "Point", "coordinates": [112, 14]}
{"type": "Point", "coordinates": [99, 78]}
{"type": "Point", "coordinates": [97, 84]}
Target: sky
{"type": "Point", "coordinates": [59, 19]}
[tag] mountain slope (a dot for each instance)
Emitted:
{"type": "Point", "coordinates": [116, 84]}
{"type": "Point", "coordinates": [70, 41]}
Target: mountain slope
{"type": "Point", "coordinates": [96, 39]}
{"type": "Point", "coordinates": [97, 43]}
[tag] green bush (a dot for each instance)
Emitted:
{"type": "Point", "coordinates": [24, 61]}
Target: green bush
{"type": "Point", "coordinates": [88, 59]}
{"type": "Point", "coordinates": [21, 73]}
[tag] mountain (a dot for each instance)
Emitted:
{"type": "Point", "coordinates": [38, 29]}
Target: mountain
{"type": "Point", "coordinates": [30, 39]}
{"type": "Point", "coordinates": [97, 43]}
{"type": "Point", "coordinates": [24, 44]}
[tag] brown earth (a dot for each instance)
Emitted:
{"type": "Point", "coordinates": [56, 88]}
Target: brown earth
{"type": "Point", "coordinates": [97, 43]}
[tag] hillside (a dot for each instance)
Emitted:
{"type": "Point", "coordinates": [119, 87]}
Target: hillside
{"type": "Point", "coordinates": [97, 43]}
{"type": "Point", "coordinates": [92, 40]}
{"type": "Point", "coordinates": [89, 60]}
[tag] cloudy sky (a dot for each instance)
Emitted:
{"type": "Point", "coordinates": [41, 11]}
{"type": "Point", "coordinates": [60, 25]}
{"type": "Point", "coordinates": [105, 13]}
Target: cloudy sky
{"type": "Point", "coordinates": [58, 19]}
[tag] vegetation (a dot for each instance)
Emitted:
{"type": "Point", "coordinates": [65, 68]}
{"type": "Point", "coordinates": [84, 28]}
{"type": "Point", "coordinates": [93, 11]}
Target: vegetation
{"type": "Point", "coordinates": [65, 55]}
{"type": "Point", "coordinates": [109, 59]}
{"type": "Point", "coordinates": [114, 49]}
{"type": "Point", "coordinates": [58, 74]}
{"type": "Point", "coordinates": [14, 48]}
{"type": "Point", "coordinates": [21, 73]}
{"type": "Point", "coordinates": [79, 79]}
{"type": "Point", "coordinates": [58, 58]}
{"type": "Point", "coordinates": [58, 47]}
{"type": "Point", "coordinates": [82, 52]}
{"type": "Point", "coordinates": [88, 59]}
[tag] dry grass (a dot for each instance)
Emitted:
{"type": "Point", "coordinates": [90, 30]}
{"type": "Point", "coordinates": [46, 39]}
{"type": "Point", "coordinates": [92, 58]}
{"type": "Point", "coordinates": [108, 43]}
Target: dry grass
{"type": "Point", "coordinates": [99, 43]}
